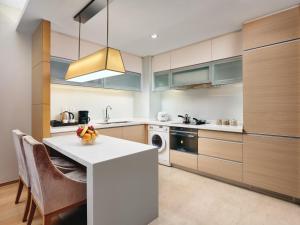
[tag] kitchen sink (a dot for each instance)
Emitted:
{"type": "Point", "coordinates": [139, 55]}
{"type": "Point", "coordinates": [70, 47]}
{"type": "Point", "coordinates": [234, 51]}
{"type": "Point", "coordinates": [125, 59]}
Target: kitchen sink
{"type": "Point", "coordinates": [114, 122]}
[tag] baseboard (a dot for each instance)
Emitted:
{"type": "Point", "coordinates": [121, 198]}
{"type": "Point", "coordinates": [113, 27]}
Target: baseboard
{"type": "Point", "coordinates": [8, 183]}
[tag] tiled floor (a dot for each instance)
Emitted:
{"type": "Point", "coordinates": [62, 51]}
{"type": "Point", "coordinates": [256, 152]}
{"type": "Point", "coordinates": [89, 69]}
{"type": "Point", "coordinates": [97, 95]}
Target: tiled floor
{"type": "Point", "coordinates": [187, 199]}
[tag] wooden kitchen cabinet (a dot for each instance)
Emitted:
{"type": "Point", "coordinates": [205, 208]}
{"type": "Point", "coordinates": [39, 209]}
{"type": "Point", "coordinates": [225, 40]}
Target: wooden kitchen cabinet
{"type": "Point", "coordinates": [221, 149]}
{"type": "Point", "coordinates": [161, 62]}
{"type": "Point", "coordinates": [222, 135]}
{"type": "Point", "coordinates": [135, 133]}
{"type": "Point", "coordinates": [272, 163]}
{"type": "Point", "coordinates": [279, 27]}
{"type": "Point", "coordinates": [116, 132]}
{"type": "Point", "coordinates": [191, 55]}
{"type": "Point", "coordinates": [271, 90]}
{"type": "Point", "coordinates": [227, 46]}
{"type": "Point", "coordinates": [183, 159]}
{"type": "Point", "coordinates": [220, 167]}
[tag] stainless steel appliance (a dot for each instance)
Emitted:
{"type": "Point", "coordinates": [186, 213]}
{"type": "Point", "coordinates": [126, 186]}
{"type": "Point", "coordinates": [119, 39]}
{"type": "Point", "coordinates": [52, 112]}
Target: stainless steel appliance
{"type": "Point", "coordinates": [184, 139]}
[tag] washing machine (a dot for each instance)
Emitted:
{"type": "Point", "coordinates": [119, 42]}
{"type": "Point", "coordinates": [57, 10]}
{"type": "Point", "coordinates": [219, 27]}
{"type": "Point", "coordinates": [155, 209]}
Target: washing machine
{"type": "Point", "coordinates": [159, 137]}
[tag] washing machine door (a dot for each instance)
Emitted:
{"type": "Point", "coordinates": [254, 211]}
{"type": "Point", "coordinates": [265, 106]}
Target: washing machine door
{"type": "Point", "coordinates": [159, 142]}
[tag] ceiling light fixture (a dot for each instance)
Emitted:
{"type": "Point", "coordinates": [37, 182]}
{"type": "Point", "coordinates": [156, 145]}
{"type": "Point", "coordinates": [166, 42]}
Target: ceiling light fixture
{"type": "Point", "coordinates": [154, 36]}
{"type": "Point", "coordinates": [104, 63]}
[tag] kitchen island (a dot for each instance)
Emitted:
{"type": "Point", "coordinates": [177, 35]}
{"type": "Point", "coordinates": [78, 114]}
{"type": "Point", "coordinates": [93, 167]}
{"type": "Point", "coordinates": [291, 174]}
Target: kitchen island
{"type": "Point", "coordinates": [122, 178]}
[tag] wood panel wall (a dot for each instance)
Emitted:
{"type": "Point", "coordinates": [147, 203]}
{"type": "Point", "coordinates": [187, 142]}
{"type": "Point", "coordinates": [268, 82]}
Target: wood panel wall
{"type": "Point", "coordinates": [41, 81]}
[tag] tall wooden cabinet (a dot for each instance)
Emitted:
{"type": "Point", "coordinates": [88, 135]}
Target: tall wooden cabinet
{"type": "Point", "coordinates": [271, 76]}
{"type": "Point", "coordinates": [272, 89]}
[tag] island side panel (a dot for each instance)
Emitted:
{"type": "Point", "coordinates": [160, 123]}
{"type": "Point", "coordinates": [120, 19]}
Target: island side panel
{"type": "Point", "coordinates": [124, 191]}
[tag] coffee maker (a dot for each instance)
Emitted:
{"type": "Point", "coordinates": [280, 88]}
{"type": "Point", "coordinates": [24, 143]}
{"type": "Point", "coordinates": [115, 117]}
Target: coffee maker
{"type": "Point", "coordinates": [83, 117]}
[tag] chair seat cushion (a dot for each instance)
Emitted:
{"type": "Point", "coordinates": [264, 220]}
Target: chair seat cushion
{"type": "Point", "coordinates": [61, 162]}
{"type": "Point", "coordinates": [77, 175]}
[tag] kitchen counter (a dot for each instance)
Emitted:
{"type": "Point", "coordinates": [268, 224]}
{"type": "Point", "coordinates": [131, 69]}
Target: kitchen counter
{"type": "Point", "coordinates": [132, 122]}
{"type": "Point", "coordinates": [121, 175]}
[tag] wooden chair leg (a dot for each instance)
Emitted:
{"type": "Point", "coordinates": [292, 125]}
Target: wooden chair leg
{"type": "Point", "coordinates": [20, 188]}
{"type": "Point", "coordinates": [31, 213]}
{"type": "Point", "coordinates": [47, 220]}
{"type": "Point", "coordinates": [27, 205]}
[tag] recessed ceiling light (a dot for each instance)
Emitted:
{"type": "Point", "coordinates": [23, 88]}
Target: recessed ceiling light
{"type": "Point", "coordinates": [154, 36]}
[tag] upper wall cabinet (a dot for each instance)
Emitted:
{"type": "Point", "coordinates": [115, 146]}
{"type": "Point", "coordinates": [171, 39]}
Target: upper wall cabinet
{"type": "Point", "coordinates": [59, 67]}
{"type": "Point", "coordinates": [191, 55]}
{"type": "Point", "coordinates": [161, 80]}
{"type": "Point", "coordinates": [64, 46]}
{"type": "Point", "coordinates": [273, 29]}
{"type": "Point", "coordinates": [191, 75]}
{"type": "Point", "coordinates": [161, 62]}
{"type": "Point", "coordinates": [129, 82]}
{"type": "Point", "coordinates": [132, 63]}
{"type": "Point", "coordinates": [227, 71]}
{"type": "Point", "coordinates": [226, 46]}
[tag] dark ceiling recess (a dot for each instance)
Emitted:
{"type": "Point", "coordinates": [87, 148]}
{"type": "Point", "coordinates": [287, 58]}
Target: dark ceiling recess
{"type": "Point", "coordinates": [90, 10]}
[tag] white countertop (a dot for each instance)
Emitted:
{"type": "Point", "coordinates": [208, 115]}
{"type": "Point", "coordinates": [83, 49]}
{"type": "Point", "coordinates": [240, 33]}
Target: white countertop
{"type": "Point", "coordinates": [99, 125]}
{"type": "Point", "coordinates": [105, 148]}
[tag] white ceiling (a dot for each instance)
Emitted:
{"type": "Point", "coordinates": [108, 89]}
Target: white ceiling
{"type": "Point", "coordinates": [177, 22]}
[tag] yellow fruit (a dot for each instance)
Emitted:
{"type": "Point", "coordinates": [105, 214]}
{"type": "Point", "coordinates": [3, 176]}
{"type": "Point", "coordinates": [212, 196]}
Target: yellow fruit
{"type": "Point", "coordinates": [83, 131]}
{"type": "Point", "coordinates": [87, 137]}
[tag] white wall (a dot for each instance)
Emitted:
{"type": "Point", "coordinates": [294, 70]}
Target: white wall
{"type": "Point", "coordinates": [94, 100]}
{"type": "Point", "coordinates": [205, 103]}
{"type": "Point", "coordinates": [15, 89]}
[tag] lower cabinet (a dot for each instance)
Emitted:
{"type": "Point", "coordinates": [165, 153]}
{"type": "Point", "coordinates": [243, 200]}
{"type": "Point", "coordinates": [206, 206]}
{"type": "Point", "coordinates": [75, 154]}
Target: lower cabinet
{"type": "Point", "coordinates": [135, 133]}
{"type": "Point", "coordinates": [186, 160]}
{"type": "Point", "coordinates": [272, 163]}
{"type": "Point", "coordinates": [221, 168]}
{"type": "Point", "coordinates": [132, 133]}
{"type": "Point", "coordinates": [112, 132]}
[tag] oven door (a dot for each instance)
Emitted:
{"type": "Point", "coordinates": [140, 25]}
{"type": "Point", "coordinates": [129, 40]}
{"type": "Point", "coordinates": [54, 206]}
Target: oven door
{"type": "Point", "coordinates": [184, 142]}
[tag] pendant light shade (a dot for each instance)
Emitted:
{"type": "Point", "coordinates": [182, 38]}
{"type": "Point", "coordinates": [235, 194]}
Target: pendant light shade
{"type": "Point", "coordinates": [104, 63]}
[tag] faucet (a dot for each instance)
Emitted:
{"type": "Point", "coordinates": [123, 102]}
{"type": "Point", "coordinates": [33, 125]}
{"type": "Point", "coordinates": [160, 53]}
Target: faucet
{"type": "Point", "coordinates": [106, 113]}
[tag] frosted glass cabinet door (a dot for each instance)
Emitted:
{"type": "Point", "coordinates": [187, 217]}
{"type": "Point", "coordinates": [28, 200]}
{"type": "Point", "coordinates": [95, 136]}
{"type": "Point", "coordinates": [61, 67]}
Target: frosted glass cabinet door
{"type": "Point", "coordinates": [129, 81]}
{"type": "Point", "coordinates": [198, 74]}
{"type": "Point", "coordinates": [161, 80]}
{"type": "Point", "coordinates": [228, 71]}
{"type": "Point", "coordinates": [59, 67]}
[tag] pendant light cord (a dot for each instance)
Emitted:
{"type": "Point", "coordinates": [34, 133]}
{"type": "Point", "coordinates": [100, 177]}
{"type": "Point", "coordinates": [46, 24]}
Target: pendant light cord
{"type": "Point", "coordinates": [107, 22]}
{"type": "Point", "coordinates": [79, 37]}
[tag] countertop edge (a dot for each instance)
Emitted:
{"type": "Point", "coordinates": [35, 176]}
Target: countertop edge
{"type": "Point", "coordinates": [213, 127]}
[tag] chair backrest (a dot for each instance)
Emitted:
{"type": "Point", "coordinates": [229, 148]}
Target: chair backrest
{"type": "Point", "coordinates": [44, 177]}
{"type": "Point", "coordinates": [21, 158]}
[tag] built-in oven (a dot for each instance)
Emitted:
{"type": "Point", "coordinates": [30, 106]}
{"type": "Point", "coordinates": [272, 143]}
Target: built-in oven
{"type": "Point", "coordinates": [184, 139]}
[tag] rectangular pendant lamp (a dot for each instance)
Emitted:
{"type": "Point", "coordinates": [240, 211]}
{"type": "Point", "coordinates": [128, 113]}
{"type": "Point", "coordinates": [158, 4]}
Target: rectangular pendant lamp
{"type": "Point", "coordinates": [104, 63]}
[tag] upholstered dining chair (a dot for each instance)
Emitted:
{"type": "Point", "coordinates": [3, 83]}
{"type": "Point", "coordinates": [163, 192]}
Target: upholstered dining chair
{"type": "Point", "coordinates": [52, 191]}
{"type": "Point", "coordinates": [23, 170]}
{"type": "Point", "coordinates": [65, 166]}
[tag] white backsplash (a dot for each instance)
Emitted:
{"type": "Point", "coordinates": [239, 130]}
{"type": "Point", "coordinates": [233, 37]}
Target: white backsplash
{"type": "Point", "coordinates": [94, 100]}
{"type": "Point", "coordinates": [225, 102]}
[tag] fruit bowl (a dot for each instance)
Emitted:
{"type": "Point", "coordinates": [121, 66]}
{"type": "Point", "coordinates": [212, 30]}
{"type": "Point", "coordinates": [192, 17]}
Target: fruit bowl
{"type": "Point", "coordinates": [87, 134]}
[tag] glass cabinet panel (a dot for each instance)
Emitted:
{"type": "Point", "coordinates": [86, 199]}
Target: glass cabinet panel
{"type": "Point", "coordinates": [161, 80]}
{"type": "Point", "coordinates": [227, 71]}
{"type": "Point", "coordinates": [59, 67]}
{"type": "Point", "coordinates": [191, 75]}
{"type": "Point", "coordinates": [129, 81]}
